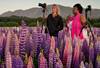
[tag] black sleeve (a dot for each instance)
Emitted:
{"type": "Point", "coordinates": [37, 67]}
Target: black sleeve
{"type": "Point", "coordinates": [60, 27]}
{"type": "Point", "coordinates": [47, 22]}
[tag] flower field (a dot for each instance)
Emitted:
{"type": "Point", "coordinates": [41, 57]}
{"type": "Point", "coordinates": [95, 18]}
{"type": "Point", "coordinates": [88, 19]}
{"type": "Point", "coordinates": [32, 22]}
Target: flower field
{"type": "Point", "coordinates": [28, 47]}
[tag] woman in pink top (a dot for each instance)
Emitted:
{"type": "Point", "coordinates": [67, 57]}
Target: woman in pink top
{"type": "Point", "coordinates": [78, 21]}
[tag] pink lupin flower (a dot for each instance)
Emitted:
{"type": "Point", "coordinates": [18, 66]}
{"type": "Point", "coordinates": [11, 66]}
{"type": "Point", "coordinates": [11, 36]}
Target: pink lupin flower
{"type": "Point", "coordinates": [16, 43]}
{"type": "Point", "coordinates": [76, 54]}
{"type": "Point", "coordinates": [82, 65]}
{"type": "Point", "coordinates": [30, 63]}
{"type": "Point", "coordinates": [69, 54]}
{"type": "Point", "coordinates": [8, 60]}
{"type": "Point", "coordinates": [53, 42]}
{"type": "Point", "coordinates": [7, 52]}
{"type": "Point", "coordinates": [1, 40]}
{"type": "Point", "coordinates": [8, 41]}
{"type": "Point", "coordinates": [51, 52]}
{"type": "Point", "coordinates": [90, 64]}
{"type": "Point", "coordinates": [67, 57]}
{"type": "Point", "coordinates": [65, 53]}
{"type": "Point", "coordinates": [42, 60]}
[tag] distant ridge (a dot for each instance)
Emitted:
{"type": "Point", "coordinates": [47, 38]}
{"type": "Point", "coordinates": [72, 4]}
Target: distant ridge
{"type": "Point", "coordinates": [37, 12]}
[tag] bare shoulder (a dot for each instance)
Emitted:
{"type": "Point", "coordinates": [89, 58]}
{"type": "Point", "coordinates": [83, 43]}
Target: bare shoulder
{"type": "Point", "coordinates": [83, 18]}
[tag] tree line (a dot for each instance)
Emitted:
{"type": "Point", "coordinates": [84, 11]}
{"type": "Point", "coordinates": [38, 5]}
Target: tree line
{"type": "Point", "coordinates": [14, 21]}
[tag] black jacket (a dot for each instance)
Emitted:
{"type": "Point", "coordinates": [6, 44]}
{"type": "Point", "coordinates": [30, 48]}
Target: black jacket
{"type": "Point", "coordinates": [54, 24]}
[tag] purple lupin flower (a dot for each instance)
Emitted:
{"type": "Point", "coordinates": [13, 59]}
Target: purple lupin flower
{"type": "Point", "coordinates": [16, 59]}
{"type": "Point", "coordinates": [85, 50]}
{"type": "Point", "coordinates": [61, 39]}
{"type": "Point", "coordinates": [23, 38]}
{"type": "Point", "coordinates": [32, 47]}
{"type": "Point", "coordinates": [91, 53]}
{"type": "Point", "coordinates": [34, 43]}
{"type": "Point", "coordinates": [56, 60]}
{"type": "Point", "coordinates": [46, 45]}
{"type": "Point", "coordinates": [61, 47]}
{"type": "Point", "coordinates": [38, 40]}
{"type": "Point", "coordinates": [97, 47]}
{"type": "Point", "coordinates": [1, 45]}
{"type": "Point", "coordinates": [17, 62]}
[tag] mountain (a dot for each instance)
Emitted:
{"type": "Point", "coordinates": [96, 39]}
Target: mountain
{"type": "Point", "coordinates": [37, 12]}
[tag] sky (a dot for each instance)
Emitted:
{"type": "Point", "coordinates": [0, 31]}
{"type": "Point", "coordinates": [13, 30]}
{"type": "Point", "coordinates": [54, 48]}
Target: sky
{"type": "Point", "coordinates": [11, 5]}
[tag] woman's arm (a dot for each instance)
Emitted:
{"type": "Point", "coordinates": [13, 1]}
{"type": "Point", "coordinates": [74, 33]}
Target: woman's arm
{"type": "Point", "coordinates": [60, 27]}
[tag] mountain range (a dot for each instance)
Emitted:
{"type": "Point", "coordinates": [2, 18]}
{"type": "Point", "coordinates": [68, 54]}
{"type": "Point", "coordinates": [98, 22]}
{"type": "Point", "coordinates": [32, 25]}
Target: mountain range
{"type": "Point", "coordinates": [37, 12]}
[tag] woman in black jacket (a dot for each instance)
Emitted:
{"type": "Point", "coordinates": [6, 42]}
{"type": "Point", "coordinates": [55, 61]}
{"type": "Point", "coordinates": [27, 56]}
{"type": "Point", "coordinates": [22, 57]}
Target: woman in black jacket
{"type": "Point", "coordinates": [54, 23]}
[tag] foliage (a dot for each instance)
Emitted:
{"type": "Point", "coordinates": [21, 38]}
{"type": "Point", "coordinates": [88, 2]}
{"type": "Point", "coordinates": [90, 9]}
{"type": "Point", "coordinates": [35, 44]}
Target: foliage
{"type": "Point", "coordinates": [16, 21]}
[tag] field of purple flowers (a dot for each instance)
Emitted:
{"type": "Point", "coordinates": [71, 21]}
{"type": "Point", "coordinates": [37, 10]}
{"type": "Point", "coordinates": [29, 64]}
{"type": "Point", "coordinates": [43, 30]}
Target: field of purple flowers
{"type": "Point", "coordinates": [28, 47]}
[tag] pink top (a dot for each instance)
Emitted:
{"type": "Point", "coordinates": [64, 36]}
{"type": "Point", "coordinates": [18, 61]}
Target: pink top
{"type": "Point", "coordinates": [76, 27]}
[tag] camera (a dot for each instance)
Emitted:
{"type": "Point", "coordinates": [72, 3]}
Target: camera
{"type": "Point", "coordinates": [42, 5]}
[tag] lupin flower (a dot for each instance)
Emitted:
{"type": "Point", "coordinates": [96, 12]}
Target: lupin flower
{"type": "Point", "coordinates": [1, 45]}
{"type": "Point", "coordinates": [91, 53]}
{"type": "Point", "coordinates": [8, 60]}
{"type": "Point", "coordinates": [51, 53]}
{"type": "Point", "coordinates": [82, 65]}
{"type": "Point", "coordinates": [52, 42]}
{"type": "Point", "coordinates": [26, 58]}
{"type": "Point", "coordinates": [16, 43]}
{"type": "Point", "coordinates": [23, 38]}
{"type": "Point", "coordinates": [12, 44]}
{"type": "Point", "coordinates": [8, 41]}
{"type": "Point", "coordinates": [30, 62]}
{"type": "Point", "coordinates": [67, 56]}
{"type": "Point", "coordinates": [85, 50]}
{"type": "Point", "coordinates": [42, 61]}
{"type": "Point", "coordinates": [1, 39]}
{"type": "Point", "coordinates": [90, 64]}
{"type": "Point", "coordinates": [98, 61]}
{"type": "Point", "coordinates": [65, 53]}
{"type": "Point", "coordinates": [57, 61]}
{"type": "Point", "coordinates": [61, 47]}
{"type": "Point", "coordinates": [17, 61]}
{"type": "Point", "coordinates": [76, 54]}
{"type": "Point", "coordinates": [69, 53]}
{"type": "Point", "coordinates": [7, 52]}
{"type": "Point", "coordinates": [46, 45]}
